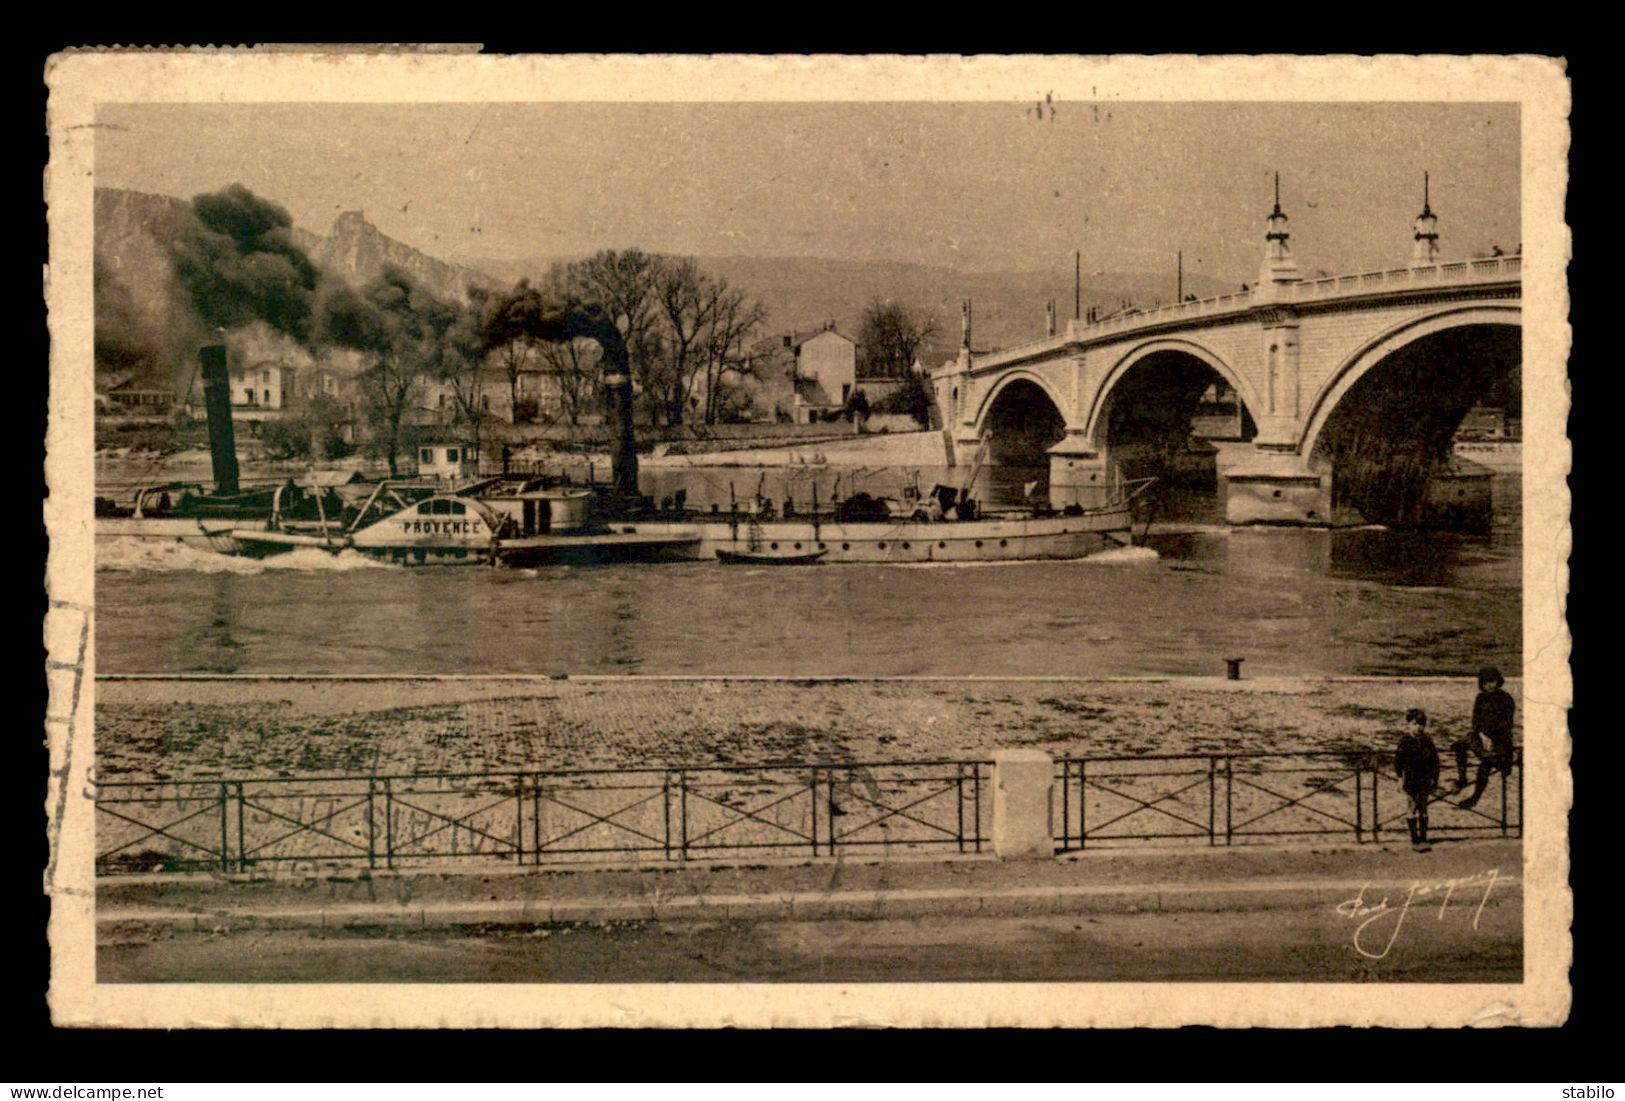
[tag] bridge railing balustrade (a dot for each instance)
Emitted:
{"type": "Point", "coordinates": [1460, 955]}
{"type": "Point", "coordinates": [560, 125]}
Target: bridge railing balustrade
{"type": "Point", "coordinates": [1498, 267]}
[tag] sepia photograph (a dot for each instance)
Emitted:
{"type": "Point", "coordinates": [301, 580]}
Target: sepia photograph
{"type": "Point", "coordinates": [931, 541]}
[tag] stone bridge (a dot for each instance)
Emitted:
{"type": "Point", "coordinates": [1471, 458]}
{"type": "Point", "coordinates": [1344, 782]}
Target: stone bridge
{"type": "Point", "coordinates": [1351, 386]}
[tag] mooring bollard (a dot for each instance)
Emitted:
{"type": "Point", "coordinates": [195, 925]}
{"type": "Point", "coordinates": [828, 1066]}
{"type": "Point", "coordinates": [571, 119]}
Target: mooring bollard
{"type": "Point", "coordinates": [1233, 668]}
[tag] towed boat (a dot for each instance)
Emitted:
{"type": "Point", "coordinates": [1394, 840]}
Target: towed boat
{"type": "Point", "coordinates": [759, 551]}
{"type": "Point", "coordinates": [919, 530]}
{"type": "Point", "coordinates": [763, 558]}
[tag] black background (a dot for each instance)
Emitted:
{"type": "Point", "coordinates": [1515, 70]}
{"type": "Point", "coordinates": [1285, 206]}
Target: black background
{"type": "Point", "coordinates": [35, 1052]}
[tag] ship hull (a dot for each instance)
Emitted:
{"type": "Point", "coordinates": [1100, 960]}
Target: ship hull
{"type": "Point", "coordinates": [987, 540]}
{"type": "Point", "coordinates": [991, 539]}
{"type": "Point", "coordinates": [209, 535]}
{"type": "Point", "coordinates": [1498, 455]}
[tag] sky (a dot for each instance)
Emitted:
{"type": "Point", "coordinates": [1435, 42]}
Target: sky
{"type": "Point", "coordinates": [978, 187]}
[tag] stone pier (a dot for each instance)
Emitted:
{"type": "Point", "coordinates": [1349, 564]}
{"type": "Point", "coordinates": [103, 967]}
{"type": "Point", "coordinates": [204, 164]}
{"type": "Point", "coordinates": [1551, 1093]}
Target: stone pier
{"type": "Point", "coordinates": [1023, 788]}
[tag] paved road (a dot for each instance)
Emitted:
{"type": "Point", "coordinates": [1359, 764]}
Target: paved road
{"type": "Point", "coordinates": [1301, 947]}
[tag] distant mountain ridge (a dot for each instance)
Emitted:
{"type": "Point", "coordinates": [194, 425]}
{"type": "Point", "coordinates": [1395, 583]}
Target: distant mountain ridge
{"type": "Point", "coordinates": [359, 251]}
{"type": "Point", "coordinates": [143, 320]}
{"type": "Point", "coordinates": [144, 323]}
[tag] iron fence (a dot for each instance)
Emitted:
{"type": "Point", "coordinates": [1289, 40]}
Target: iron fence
{"type": "Point", "coordinates": [236, 825]}
{"type": "Point", "coordinates": [532, 817]}
{"type": "Point", "coordinates": [1239, 798]}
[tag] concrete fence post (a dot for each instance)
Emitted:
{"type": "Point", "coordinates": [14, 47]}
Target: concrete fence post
{"type": "Point", "coordinates": [1023, 786]}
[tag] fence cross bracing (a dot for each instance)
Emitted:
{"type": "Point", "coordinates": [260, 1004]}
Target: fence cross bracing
{"type": "Point", "coordinates": [234, 825]}
{"type": "Point", "coordinates": [1239, 798]}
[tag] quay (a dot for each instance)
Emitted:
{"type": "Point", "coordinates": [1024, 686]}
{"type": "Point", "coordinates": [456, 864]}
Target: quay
{"type": "Point", "coordinates": [539, 773]}
{"type": "Point", "coordinates": [1297, 914]}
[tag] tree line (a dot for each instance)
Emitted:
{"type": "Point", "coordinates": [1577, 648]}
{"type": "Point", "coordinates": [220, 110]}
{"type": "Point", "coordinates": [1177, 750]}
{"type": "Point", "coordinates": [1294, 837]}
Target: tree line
{"type": "Point", "coordinates": [688, 332]}
{"type": "Point", "coordinates": [687, 335]}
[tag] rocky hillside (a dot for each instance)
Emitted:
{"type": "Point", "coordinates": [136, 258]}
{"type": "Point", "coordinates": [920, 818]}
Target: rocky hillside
{"type": "Point", "coordinates": [144, 325]}
{"type": "Point", "coordinates": [356, 250]}
{"type": "Point", "coordinates": [142, 319]}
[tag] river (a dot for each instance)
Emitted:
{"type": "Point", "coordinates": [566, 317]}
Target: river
{"type": "Point", "coordinates": [1290, 602]}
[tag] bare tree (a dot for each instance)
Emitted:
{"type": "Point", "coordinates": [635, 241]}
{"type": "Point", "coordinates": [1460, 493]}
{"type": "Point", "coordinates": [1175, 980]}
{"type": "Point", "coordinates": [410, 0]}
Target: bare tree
{"type": "Point", "coordinates": [734, 318]}
{"type": "Point", "coordinates": [890, 337]}
{"type": "Point", "coordinates": [682, 330]}
{"type": "Point", "coordinates": [459, 360]}
{"type": "Point", "coordinates": [402, 329]}
{"type": "Point", "coordinates": [508, 325]}
{"type": "Point", "coordinates": [622, 285]}
{"type": "Point", "coordinates": [573, 367]}
{"type": "Point", "coordinates": [687, 300]}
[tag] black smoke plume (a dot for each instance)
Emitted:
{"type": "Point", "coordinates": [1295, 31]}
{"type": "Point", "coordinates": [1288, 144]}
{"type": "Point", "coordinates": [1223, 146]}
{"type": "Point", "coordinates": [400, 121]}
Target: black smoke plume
{"type": "Point", "coordinates": [127, 340]}
{"type": "Point", "coordinates": [239, 264]}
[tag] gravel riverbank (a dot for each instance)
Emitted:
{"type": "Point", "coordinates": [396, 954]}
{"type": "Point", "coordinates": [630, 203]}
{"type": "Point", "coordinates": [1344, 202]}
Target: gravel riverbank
{"type": "Point", "coordinates": [184, 728]}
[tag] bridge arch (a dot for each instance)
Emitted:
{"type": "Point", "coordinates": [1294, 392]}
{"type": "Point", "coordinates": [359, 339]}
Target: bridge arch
{"type": "Point", "coordinates": [1357, 366]}
{"type": "Point", "coordinates": [1151, 414]}
{"type": "Point", "coordinates": [1095, 420]}
{"type": "Point", "coordinates": [1021, 418]}
{"type": "Point", "coordinates": [1006, 380]}
{"type": "Point", "coordinates": [1383, 425]}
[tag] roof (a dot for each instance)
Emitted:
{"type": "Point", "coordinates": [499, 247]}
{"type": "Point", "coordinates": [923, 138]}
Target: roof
{"type": "Point", "coordinates": [132, 384]}
{"type": "Point", "coordinates": [798, 337]}
{"type": "Point", "coordinates": [797, 343]}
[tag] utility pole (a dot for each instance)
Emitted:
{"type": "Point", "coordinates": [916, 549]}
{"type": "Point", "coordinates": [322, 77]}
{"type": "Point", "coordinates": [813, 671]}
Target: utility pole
{"type": "Point", "coordinates": [1077, 284]}
{"type": "Point", "coordinates": [1179, 293]}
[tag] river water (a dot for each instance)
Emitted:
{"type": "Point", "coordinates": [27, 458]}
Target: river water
{"type": "Point", "coordinates": [1291, 602]}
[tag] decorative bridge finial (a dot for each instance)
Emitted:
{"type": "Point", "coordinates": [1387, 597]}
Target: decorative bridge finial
{"type": "Point", "coordinates": [1425, 240]}
{"type": "Point", "coordinates": [1279, 266]}
{"type": "Point", "coordinates": [1277, 219]}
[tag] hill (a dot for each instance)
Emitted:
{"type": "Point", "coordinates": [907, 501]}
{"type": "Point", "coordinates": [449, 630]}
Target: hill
{"type": "Point", "coordinates": [144, 324]}
{"type": "Point", "coordinates": [1007, 307]}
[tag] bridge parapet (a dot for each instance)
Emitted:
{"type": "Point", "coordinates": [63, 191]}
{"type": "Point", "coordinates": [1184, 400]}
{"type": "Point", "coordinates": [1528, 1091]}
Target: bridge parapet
{"type": "Point", "coordinates": [1455, 273]}
{"type": "Point", "coordinates": [1495, 269]}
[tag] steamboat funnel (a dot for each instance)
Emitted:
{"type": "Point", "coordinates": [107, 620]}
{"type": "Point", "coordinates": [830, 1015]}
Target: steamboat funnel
{"type": "Point", "coordinates": [217, 401]}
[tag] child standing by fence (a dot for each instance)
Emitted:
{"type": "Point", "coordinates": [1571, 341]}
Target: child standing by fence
{"type": "Point", "coordinates": [1417, 763]}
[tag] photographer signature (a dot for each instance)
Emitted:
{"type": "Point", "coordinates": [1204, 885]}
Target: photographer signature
{"type": "Point", "coordinates": [1375, 918]}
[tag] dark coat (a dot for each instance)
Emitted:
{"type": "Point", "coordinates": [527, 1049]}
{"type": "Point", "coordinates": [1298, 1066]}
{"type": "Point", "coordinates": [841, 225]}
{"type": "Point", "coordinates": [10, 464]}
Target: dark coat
{"type": "Point", "coordinates": [1417, 762]}
{"type": "Point", "coordinates": [1492, 716]}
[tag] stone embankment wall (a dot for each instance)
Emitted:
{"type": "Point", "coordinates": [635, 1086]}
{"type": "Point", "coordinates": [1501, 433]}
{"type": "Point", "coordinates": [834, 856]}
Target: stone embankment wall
{"type": "Point", "coordinates": [884, 449]}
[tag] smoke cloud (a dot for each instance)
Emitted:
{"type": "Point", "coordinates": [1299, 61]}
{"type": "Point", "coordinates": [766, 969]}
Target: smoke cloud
{"type": "Point", "coordinates": [142, 328]}
{"type": "Point", "coordinates": [239, 264]}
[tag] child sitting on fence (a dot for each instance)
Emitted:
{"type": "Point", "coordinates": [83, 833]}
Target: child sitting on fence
{"type": "Point", "coordinates": [1491, 737]}
{"type": "Point", "coordinates": [1417, 763]}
